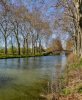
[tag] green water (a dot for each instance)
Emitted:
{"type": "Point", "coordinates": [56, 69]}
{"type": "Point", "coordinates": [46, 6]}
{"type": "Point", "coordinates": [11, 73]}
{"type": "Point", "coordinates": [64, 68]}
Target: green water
{"type": "Point", "coordinates": [27, 78]}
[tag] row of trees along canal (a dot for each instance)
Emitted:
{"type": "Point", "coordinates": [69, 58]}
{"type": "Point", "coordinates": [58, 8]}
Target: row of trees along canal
{"type": "Point", "coordinates": [70, 20]}
{"type": "Point", "coordinates": [22, 29]}
{"type": "Point", "coordinates": [23, 32]}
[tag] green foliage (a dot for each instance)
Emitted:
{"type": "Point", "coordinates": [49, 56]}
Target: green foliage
{"type": "Point", "coordinates": [15, 55]}
{"type": "Point", "coordinates": [80, 89]}
{"type": "Point", "coordinates": [1, 50]}
{"type": "Point", "coordinates": [20, 56]}
{"type": "Point", "coordinates": [66, 91]}
{"type": "Point", "coordinates": [10, 50]}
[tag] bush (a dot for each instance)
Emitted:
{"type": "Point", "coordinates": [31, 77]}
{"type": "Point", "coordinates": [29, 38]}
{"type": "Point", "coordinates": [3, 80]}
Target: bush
{"type": "Point", "coordinates": [72, 58]}
{"type": "Point", "coordinates": [66, 91]}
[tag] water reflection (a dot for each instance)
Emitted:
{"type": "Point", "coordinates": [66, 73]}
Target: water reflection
{"type": "Point", "coordinates": [27, 72]}
{"type": "Point", "coordinates": [47, 65]}
{"type": "Point", "coordinates": [5, 81]}
{"type": "Point", "coordinates": [32, 62]}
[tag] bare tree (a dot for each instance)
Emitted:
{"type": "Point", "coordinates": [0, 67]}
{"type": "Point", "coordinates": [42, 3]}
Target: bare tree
{"type": "Point", "coordinates": [70, 12]}
{"type": "Point", "coordinates": [5, 28]}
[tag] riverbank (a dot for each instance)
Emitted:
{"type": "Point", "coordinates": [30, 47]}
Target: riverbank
{"type": "Point", "coordinates": [73, 82]}
{"type": "Point", "coordinates": [19, 56]}
{"type": "Point", "coordinates": [2, 56]}
{"type": "Point", "coordinates": [69, 84]}
{"type": "Point", "coordinates": [73, 91]}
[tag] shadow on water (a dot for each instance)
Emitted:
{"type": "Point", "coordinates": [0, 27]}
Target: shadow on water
{"type": "Point", "coordinates": [5, 81]}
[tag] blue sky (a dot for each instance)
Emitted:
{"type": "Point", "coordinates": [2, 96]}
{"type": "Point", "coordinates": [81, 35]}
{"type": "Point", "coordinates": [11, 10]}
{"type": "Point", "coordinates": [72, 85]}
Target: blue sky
{"type": "Point", "coordinates": [46, 6]}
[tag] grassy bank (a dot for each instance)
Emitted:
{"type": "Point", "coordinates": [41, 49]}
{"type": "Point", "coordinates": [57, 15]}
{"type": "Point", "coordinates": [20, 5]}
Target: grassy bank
{"type": "Point", "coordinates": [69, 85]}
{"type": "Point", "coordinates": [72, 81]}
{"type": "Point", "coordinates": [2, 56]}
{"type": "Point", "coordinates": [19, 56]}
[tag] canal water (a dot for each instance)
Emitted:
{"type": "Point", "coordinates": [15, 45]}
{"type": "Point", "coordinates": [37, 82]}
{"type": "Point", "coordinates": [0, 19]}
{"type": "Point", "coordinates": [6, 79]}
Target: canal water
{"type": "Point", "coordinates": [27, 78]}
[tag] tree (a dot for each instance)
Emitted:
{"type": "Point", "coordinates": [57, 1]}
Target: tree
{"type": "Point", "coordinates": [18, 25]}
{"type": "Point", "coordinates": [25, 32]}
{"type": "Point", "coordinates": [16, 19]}
{"type": "Point", "coordinates": [5, 28]}
{"type": "Point", "coordinates": [55, 45]}
{"type": "Point", "coordinates": [69, 44]}
{"type": "Point", "coordinates": [72, 14]}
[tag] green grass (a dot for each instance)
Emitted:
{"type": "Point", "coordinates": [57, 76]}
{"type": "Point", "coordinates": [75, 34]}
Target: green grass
{"type": "Point", "coordinates": [3, 56]}
{"type": "Point", "coordinates": [66, 91]}
{"type": "Point", "coordinates": [19, 56]}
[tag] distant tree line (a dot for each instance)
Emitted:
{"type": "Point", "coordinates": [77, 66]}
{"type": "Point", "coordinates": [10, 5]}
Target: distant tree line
{"type": "Point", "coordinates": [20, 30]}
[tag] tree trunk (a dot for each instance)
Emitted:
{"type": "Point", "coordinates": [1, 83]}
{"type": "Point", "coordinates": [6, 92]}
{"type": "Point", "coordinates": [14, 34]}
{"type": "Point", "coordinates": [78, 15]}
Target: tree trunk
{"type": "Point", "coordinates": [12, 46]}
{"type": "Point", "coordinates": [32, 47]}
{"type": "Point", "coordinates": [18, 45]}
{"type": "Point", "coordinates": [5, 46]}
{"type": "Point", "coordinates": [27, 45]}
{"type": "Point", "coordinates": [24, 46]}
{"type": "Point", "coordinates": [81, 44]}
{"type": "Point", "coordinates": [78, 44]}
{"type": "Point", "coordinates": [40, 47]}
{"type": "Point", "coordinates": [36, 47]}
{"type": "Point", "coordinates": [75, 46]}
{"type": "Point", "coordinates": [33, 44]}
{"type": "Point", "coordinates": [17, 33]}
{"type": "Point", "coordinates": [18, 48]}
